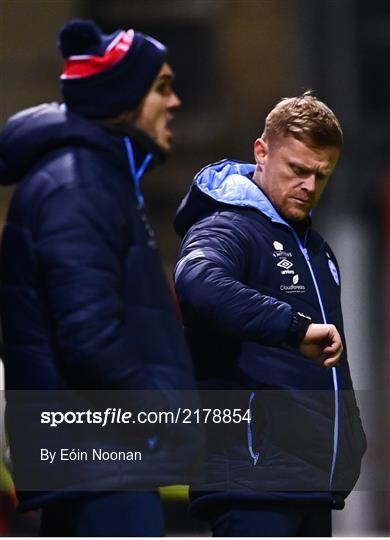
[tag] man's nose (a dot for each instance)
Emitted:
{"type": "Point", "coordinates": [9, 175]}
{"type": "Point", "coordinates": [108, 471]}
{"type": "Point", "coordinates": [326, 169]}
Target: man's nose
{"type": "Point", "coordinates": [310, 183]}
{"type": "Point", "coordinates": [174, 101]}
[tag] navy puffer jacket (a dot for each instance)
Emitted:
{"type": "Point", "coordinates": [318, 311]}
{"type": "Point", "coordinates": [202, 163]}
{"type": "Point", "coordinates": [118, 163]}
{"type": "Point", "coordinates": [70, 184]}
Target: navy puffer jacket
{"type": "Point", "coordinates": [242, 273]}
{"type": "Point", "coordinates": [84, 303]}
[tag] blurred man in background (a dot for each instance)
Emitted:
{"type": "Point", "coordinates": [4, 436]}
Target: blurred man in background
{"type": "Point", "coordinates": [260, 295]}
{"type": "Point", "coordinates": [84, 300]}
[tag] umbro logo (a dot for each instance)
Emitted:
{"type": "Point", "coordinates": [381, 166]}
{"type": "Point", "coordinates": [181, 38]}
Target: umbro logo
{"type": "Point", "coordinates": [285, 264]}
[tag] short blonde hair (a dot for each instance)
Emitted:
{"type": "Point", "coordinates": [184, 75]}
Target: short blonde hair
{"type": "Point", "coordinates": [306, 118]}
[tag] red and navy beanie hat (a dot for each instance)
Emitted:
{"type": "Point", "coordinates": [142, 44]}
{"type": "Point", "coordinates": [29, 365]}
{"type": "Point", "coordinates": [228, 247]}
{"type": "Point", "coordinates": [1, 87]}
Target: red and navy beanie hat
{"type": "Point", "coordinates": [103, 74]}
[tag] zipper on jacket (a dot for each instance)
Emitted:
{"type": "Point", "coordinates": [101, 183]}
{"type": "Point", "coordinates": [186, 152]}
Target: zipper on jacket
{"type": "Point", "coordinates": [137, 173]}
{"type": "Point", "coordinates": [334, 372]}
{"type": "Point", "coordinates": [254, 455]}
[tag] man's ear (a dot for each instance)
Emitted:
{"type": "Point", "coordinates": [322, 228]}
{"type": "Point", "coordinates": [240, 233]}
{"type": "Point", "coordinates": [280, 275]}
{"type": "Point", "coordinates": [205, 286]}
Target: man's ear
{"type": "Point", "coordinates": [260, 151]}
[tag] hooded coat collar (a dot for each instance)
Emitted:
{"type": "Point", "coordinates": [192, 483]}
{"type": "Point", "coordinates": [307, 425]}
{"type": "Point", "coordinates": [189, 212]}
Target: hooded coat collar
{"type": "Point", "coordinates": [226, 183]}
{"type": "Point", "coordinates": [30, 134]}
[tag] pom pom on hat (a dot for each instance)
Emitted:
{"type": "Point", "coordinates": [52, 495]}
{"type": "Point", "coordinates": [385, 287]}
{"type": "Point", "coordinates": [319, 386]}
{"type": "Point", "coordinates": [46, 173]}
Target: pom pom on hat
{"type": "Point", "coordinates": [78, 36]}
{"type": "Point", "coordinates": [106, 74]}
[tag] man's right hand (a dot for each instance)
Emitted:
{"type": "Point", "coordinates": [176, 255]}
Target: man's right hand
{"type": "Point", "coordinates": [322, 343]}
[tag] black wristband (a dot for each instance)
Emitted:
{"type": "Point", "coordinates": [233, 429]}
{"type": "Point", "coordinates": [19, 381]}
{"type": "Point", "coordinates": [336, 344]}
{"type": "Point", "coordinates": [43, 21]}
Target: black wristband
{"type": "Point", "coordinates": [298, 328]}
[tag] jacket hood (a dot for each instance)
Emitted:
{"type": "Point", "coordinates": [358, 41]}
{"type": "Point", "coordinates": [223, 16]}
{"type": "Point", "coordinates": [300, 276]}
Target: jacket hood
{"type": "Point", "coordinates": [223, 184]}
{"type": "Point", "coordinates": [32, 133]}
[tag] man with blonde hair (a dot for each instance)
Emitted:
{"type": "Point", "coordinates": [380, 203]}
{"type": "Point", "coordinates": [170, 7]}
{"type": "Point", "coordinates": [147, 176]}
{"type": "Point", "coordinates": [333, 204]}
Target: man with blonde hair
{"type": "Point", "coordinates": [260, 295]}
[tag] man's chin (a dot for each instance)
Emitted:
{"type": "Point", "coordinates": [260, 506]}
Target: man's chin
{"type": "Point", "coordinates": [298, 214]}
{"type": "Point", "coordinates": [165, 142]}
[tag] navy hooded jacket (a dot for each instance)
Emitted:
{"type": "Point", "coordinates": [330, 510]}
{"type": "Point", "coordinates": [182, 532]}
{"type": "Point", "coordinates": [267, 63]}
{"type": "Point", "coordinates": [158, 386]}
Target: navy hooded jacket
{"type": "Point", "coordinates": [85, 304]}
{"type": "Point", "coordinates": [242, 273]}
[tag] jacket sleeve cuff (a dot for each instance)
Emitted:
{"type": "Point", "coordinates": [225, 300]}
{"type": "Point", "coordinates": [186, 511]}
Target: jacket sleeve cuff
{"type": "Point", "coordinates": [298, 328]}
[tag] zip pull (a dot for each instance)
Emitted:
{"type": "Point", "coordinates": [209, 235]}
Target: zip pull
{"type": "Point", "coordinates": [137, 174]}
{"type": "Point", "coordinates": [254, 455]}
{"type": "Point", "coordinates": [302, 246]}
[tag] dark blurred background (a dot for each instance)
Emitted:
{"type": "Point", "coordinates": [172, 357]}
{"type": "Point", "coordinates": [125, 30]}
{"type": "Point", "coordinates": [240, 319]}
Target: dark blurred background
{"type": "Point", "coordinates": [233, 60]}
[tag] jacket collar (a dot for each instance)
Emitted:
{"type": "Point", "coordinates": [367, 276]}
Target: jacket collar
{"type": "Point", "coordinates": [142, 143]}
{"type": "Point", "coordinates": [230, 182]}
